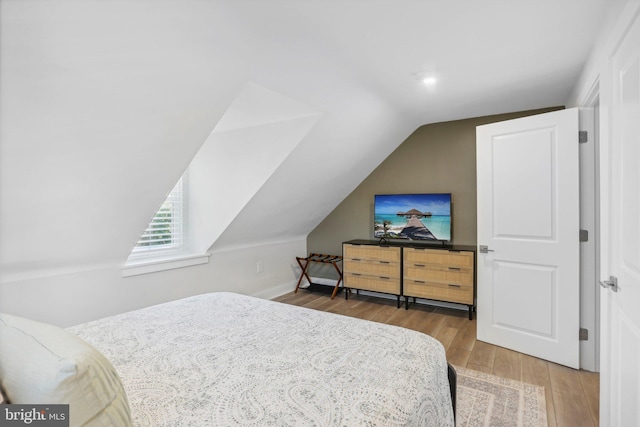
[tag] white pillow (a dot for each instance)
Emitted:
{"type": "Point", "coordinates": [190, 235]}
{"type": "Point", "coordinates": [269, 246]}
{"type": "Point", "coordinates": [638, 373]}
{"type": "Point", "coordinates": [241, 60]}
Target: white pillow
{"type": "Point", "coordinates": [44, 364]}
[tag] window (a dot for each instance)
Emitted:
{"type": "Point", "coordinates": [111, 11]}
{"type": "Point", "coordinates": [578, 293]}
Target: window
{"type": "Point", "coordinates": [166, 230]}
{"type": "Point", "coordinates": [163, 244]}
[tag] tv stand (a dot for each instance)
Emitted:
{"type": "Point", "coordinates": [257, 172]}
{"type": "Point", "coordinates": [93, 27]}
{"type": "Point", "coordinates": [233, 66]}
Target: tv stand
{"type": "Point", "coordinates": [411, 270]}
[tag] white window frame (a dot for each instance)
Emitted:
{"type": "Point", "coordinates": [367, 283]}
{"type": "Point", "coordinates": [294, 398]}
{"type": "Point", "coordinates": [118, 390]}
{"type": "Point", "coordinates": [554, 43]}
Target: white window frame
{"type": "Point", "coordinates": [174, 254]}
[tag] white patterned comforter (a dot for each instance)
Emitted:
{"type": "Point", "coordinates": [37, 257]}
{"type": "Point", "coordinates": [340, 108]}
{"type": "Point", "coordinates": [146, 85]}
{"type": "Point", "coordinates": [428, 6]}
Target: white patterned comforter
{"type": "Point", "coordinates": [224, 359]}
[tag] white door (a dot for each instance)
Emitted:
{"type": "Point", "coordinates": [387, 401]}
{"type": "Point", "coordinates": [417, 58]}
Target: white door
{"type": "Point", "coordinates": [620, 311]}
{"type": "Point", "coordinates": [528, 218]}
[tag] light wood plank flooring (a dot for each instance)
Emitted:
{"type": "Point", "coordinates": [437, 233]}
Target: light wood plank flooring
{"type": "Point", "coordinates": [572, 396]}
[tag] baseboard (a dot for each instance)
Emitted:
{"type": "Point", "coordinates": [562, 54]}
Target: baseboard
{"type": "Point", "coordinates": [276, 291]}
{"type": "Point", "coordinates": [285, 288]}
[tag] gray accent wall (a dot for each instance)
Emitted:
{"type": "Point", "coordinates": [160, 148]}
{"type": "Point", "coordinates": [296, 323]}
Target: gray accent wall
{"type": "Point", "coordinates": [436, 158]}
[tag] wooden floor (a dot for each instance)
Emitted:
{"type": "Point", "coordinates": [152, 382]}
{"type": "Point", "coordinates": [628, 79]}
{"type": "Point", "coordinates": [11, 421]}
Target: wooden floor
{"type": "Point", "coordinates": [572, 396]}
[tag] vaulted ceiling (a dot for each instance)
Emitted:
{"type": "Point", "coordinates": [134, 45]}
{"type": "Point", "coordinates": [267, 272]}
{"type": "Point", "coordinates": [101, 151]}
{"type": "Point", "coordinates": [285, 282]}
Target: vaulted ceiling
{"type": "Point", "coordinates": [104, 104]}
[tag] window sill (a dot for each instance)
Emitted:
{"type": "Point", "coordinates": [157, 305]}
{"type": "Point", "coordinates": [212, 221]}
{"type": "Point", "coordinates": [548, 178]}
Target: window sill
{"type": "Point", "coordinates": [168, 262]}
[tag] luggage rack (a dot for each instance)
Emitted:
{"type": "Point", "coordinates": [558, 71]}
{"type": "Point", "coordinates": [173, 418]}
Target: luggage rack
{"type": "Point", "coordinates": [305, 262]}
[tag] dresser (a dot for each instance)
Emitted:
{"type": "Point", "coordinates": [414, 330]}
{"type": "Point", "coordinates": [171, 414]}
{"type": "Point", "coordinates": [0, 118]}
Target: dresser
{"type": "Point", "coordinates": [409, 270]}
{"type": "Point", "coordinates": [374, 268]}
{"type": "Point", "coordinates": [439, 274]}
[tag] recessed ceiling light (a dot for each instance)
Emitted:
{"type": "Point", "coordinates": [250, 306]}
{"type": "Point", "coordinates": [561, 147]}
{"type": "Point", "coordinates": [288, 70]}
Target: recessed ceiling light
{"type": "Point", "coordinates": [427, 78]}
{"type": "Point", "coordinates": [429, 81]}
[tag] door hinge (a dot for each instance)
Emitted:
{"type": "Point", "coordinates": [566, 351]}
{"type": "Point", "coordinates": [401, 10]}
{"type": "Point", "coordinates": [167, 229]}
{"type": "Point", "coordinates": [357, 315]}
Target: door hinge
{"type": "Point", "coordinates": [583, 136]}
{"type": "Point", "coordinates": [584, 334]}
{"type": "Point", "coordinates": [584, 235]}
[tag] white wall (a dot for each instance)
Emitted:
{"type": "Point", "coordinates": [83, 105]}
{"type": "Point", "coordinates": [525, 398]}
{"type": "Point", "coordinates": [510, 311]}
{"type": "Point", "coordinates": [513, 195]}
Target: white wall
{"type": "Point", "coordinates": [103, 105]}
{"type": "Point", "coordinates": [593, 92]}
{"type": "Point", "coordinates": [76, 297]}
{"type": "Point", "coordinates": [597, 78]}
{"type": "Point", "coordinates": [257, 133]}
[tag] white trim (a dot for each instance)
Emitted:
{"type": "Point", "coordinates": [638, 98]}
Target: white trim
{"type": "Point", "coordinates": [239, 247]}
{"type": "Point", "coordinates": [276, 291]}
{"type": "Point", "coordinates": [36, 273]}
{"type": "Point", "coordinates": [589, 289]}
{"type": "Point", "coordinates": [155, 265]}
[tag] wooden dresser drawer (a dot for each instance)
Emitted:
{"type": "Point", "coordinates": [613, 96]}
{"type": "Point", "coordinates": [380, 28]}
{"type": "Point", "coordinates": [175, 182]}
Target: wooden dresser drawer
{"type": "Point", "coordinates": [439, 257]}
{"type": "Point", "coordinates": [453, 275]}
{"type": "Point", "coordinates": [374, 268]}
{"type": "Point", "coordinates": [372, 283]}
{"type": "Point", "coordinates": [439, 291]}
{"type": "Point", "coordinates": [370, 252]}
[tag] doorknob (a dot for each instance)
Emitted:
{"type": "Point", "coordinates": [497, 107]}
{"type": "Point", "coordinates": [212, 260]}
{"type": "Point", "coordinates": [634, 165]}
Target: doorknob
{"type": "Point", "coordinates": [484, 249]}
{"type": "Point", "coordinates": [612, 283]}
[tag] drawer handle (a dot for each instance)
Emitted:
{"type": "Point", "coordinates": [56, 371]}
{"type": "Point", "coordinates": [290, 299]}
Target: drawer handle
{"type": "Point", "coordinates": [419, 281]}
{"type": "Point", "coordinates": [356, 274]}
{"type": "Point", "coordinates": [384, 278]}
{"type": "Point", "coordinates": [356, 259]}
{"type": "Point", "coordinates": [454, 286]}
{"type": "Point", "coordinates": [384, 262]}
{"type": "Point", "coordinates": [454, 268]}
{"type": "Point", "coordinates": [418, 265]}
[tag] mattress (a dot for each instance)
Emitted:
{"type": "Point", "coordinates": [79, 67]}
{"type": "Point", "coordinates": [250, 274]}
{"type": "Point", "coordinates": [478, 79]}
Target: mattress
{"type": "Point", "coordinates": [224, 359]}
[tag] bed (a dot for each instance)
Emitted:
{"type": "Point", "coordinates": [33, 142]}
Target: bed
{"type": "Point", "coordinates": [224, 359]}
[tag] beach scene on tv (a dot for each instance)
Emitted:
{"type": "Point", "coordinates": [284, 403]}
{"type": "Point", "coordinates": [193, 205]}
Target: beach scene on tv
{"type": "Point", "coordinates": [413, 216]}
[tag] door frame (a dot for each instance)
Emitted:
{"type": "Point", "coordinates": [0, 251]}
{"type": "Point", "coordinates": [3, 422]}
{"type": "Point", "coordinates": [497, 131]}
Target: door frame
{"type": "Point", "coordinates": [598, 78]}
{"type": "Point", "coordinates": [589, 120]}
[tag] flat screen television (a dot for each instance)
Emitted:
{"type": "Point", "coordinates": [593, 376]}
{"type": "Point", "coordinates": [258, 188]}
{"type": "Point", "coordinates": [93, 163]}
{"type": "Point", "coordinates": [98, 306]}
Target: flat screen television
{"type": "Point", "coordinates": [423, 217]}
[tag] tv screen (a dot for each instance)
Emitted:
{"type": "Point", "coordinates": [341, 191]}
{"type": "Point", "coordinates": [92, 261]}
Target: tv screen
{"type": "Point", "coordinates": [425, 217]}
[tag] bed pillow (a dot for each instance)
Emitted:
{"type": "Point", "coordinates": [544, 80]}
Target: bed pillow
{"type": "Point", "coordinates": [44, 364]}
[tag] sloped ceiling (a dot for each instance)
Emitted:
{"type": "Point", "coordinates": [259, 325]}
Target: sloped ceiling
{"type": "Point", "coordinates": [103, 104]}
{"type": "Point", "coordinates": [250, 142]}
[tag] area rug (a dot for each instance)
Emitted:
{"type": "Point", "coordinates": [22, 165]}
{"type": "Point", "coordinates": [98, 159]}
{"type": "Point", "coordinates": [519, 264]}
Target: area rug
{"type": "Point", "coordinates": [487, 400]}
